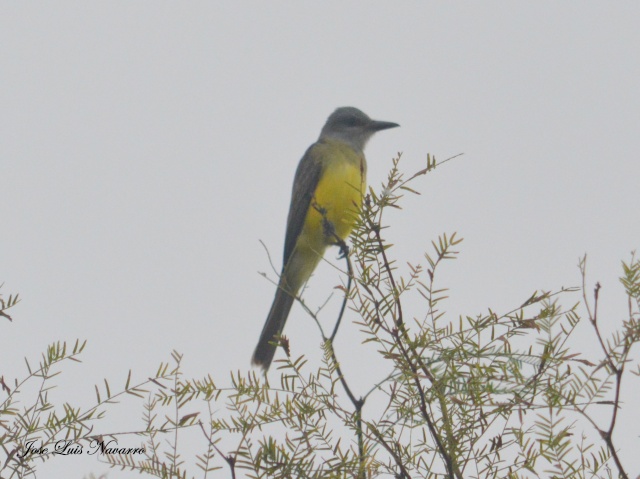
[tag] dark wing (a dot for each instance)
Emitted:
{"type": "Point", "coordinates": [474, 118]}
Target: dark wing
{"type": "Point", "coordinates": [304, 187]}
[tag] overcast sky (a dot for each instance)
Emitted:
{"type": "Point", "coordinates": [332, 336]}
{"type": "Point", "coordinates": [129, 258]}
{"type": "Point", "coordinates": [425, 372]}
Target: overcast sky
{"type": "Point", "coordinates": [147, 147]}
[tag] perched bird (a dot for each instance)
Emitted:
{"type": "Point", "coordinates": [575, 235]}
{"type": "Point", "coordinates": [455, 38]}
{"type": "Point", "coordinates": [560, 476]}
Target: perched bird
{"type": "Point", "coordinates": [325, 202]}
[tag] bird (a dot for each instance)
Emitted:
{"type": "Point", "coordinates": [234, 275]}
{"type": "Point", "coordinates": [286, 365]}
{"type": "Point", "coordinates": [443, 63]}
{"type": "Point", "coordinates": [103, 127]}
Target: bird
{"type": "Point", "coordinates": [327, 194]}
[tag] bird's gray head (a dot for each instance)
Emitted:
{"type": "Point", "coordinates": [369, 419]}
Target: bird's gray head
{"type": "Point", "coordinates": [351, 126]}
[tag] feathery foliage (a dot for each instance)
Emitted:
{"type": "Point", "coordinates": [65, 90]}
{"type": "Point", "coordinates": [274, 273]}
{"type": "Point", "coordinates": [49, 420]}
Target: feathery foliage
{"type": "Point", "coordinates": [493, 395]}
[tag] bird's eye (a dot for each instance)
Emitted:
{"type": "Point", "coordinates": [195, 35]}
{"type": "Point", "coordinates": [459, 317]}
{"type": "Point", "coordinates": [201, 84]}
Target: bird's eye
{"type": "Point", "coordinates": [351, 122]}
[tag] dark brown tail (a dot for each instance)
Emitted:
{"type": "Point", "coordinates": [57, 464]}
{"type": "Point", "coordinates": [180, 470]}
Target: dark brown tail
{"type": "Point", "coordinates": [263, 355]}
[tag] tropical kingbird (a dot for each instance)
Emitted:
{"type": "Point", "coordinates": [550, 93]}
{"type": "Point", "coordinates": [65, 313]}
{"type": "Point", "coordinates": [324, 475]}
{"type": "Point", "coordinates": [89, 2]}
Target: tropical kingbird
{"type": "Point", "coordinates": [326, 199]}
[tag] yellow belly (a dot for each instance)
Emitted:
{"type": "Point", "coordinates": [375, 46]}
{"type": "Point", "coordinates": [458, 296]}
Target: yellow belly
{"type": "Point", "coordinates": [338, 198]}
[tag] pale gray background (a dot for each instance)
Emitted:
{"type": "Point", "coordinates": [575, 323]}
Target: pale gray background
{"type": "Point", "coordinates": [147, 147]}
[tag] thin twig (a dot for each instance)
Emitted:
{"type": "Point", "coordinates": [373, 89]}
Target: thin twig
{"type": "Point", "coordinates": [231, 461]}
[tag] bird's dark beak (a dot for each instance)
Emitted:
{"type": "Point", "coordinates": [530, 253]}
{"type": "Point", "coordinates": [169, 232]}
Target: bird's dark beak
{"type": "Point", "coordinates": [381, 125]}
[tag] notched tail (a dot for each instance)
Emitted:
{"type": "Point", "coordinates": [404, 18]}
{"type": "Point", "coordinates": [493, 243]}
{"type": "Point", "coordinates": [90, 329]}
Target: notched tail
{"type": "Point", "coordinates": [265, 350]}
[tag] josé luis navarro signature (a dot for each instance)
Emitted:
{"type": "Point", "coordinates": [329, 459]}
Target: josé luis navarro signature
{"type": "Point", "coordinates": [67, 448]}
